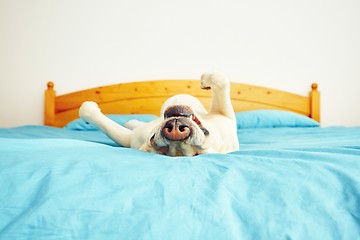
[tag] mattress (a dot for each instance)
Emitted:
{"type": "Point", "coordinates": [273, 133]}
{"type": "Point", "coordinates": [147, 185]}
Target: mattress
{"type": "Point", "coordinates": [285, 182]}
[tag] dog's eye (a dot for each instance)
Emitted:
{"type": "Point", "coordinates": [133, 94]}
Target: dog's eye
{"type": "Point", "coordinates": [205, 131]}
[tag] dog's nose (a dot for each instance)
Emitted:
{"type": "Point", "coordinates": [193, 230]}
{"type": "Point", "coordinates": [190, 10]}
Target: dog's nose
{"type": "Point", "coordinates": [176, 130]}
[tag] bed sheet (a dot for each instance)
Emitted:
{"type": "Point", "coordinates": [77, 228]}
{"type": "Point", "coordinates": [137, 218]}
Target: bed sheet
{"type": "Point", "coordinates": [283, 183]}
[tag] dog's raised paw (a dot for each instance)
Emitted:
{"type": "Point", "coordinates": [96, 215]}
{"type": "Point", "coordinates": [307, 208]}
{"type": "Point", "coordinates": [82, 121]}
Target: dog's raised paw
{"type": "Point", "coordinates": [88, 109]}
{"type": "Point", "coordinates": [214, 80]}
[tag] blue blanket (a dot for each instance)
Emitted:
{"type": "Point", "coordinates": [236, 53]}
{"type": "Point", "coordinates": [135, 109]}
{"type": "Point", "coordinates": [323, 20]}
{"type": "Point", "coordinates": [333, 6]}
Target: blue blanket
{"type": "Point", "coordinates": [283, 183]}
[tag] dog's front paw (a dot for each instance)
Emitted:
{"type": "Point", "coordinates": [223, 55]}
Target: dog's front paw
{"type": "Point", "coordinates": [214, 80]}
{"type": "Point", "coordinates": [88, 110]}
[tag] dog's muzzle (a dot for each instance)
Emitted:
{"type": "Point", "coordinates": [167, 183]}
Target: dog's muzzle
{"type": "Point", "coordinates": [177, 129]}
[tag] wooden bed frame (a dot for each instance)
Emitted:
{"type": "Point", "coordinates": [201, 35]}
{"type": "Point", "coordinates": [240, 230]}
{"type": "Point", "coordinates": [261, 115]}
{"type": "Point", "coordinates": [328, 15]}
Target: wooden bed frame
{"type": "Point", "coordinates": [147, 97]}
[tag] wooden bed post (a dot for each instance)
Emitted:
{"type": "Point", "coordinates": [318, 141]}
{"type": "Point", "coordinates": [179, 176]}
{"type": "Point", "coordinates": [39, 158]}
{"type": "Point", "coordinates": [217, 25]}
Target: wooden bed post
{"type": "Point", "coordinates": [49, 105]}
{"type": "Point", "coordinates": [315, 102]}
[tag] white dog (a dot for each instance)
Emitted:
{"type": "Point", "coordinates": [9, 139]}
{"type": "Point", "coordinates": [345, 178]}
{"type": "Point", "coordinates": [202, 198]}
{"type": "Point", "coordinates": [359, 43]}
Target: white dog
{"type": "Point", "coordinates": [184, 127]}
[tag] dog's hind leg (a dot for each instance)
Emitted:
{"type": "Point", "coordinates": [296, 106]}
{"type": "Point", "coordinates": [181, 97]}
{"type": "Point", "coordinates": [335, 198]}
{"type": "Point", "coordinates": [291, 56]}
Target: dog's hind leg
{"type": "Point", "coordinates": [220, 85]}
{"type": "Point", "coordinates": [90, 112]}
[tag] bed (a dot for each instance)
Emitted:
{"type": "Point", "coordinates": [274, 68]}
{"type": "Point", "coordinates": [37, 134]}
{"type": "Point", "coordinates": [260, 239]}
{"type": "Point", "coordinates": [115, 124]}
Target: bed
{"type": "Point", "coordinates": [291, 178]}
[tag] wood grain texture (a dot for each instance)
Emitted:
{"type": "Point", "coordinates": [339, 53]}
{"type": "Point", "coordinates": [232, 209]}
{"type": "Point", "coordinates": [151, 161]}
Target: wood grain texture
{"type": "Point", "coordinates": [147, 97]}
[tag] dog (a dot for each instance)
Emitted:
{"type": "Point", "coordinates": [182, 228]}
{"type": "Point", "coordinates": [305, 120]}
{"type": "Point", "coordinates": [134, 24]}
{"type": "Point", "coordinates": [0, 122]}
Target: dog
{"type": "Point", "coordinates": [184, 127]}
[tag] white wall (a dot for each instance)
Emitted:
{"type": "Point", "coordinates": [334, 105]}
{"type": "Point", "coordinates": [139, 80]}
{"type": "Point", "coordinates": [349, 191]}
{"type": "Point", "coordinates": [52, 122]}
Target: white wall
{"type": "Point", "coordinates": [82, 43]}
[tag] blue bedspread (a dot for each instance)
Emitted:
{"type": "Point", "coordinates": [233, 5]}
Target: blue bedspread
{"type": "Point", "coordinates": [284, 183]}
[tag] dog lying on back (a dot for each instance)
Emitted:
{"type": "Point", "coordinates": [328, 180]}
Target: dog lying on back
{"type": "Point", "coordinates": [184, 127]}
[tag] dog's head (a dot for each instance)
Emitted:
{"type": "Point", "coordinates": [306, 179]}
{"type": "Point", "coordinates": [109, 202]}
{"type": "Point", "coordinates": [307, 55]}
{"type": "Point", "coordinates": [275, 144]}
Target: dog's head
{"type": "Point", "coordinates": [180, 134]}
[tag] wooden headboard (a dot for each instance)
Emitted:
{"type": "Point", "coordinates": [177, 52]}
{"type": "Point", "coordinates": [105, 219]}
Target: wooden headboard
{"type": "Point", "coordinates": [147, 97]}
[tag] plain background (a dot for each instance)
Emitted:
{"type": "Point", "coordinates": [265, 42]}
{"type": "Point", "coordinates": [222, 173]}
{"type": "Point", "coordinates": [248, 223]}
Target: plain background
{"type": "Point", "coordinates": [79, 44]}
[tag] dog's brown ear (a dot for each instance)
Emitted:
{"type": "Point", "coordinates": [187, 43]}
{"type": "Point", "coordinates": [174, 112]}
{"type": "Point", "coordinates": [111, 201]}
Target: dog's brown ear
{"type": "Point", "coordinates": [195, 119]}
{"type": "Point", "coordinates": [178, 111]}
{"type": "Point", "coordinates": [205, 131]}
